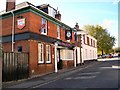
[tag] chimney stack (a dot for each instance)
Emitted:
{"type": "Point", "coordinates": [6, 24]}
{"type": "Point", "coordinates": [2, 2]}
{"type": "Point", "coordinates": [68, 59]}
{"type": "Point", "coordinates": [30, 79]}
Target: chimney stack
{"type": "Point", "coordinates": [58, 16]}
{"type": "Point", "coordinates": [10, 5]}
{"type": "Point", "coordinates": [77, 26]}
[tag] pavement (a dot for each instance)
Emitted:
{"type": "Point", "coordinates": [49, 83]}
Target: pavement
{"type": "Point", "coordinates": [109, 59]}
{"type": "Point", "coordinates": [34, 81]}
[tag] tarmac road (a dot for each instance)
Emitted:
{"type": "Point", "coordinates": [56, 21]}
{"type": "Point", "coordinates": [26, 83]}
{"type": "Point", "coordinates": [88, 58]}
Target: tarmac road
{"type": "Point", "coordinates": [104, 75]}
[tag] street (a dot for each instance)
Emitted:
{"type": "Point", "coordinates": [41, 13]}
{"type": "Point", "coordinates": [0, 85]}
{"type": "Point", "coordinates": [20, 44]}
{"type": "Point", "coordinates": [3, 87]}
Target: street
{"type": "Point", "coordinates": [95, 75]}
{"type": "Point", "coordinates": [101, 75]}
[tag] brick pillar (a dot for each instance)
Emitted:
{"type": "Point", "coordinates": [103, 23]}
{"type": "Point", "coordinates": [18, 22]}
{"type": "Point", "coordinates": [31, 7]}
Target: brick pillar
{"type": "Point", "coordinates": [10, 5]}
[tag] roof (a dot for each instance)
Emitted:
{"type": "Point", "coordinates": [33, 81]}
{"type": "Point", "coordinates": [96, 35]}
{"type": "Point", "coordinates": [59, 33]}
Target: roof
{"type": "Point", "coordinates": [18, 6]}
{"type": "Point", "coordinates": [45, 5]}
{"type": "Point", "coordinates": [27, 4]}
{"type": "Point", "coordinates": [84, 32]}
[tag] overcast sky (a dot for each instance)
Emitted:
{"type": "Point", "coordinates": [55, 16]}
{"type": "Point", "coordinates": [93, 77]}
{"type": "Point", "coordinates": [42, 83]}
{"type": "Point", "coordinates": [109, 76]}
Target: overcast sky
{"type": "Point", "coordinates": [93, 12]}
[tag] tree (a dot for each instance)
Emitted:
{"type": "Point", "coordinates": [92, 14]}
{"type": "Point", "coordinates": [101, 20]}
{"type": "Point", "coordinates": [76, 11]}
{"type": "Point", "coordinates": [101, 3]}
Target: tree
{"type": "Point", "coordinates": [105, 41]}
{"type": "Point", "coordinates": [117, 50]}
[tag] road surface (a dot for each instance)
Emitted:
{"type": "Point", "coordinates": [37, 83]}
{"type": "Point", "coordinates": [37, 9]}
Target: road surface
{"type": "Point", "coordinates": [101, 75]}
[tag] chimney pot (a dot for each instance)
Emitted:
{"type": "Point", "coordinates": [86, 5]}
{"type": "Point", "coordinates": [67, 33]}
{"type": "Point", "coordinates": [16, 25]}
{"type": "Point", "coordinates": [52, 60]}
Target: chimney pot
{"type": "Point", "coordinates": [58, 16]}
{"type": "Point", "coordinates": [77, 26]}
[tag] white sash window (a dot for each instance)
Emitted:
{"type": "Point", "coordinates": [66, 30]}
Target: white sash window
{"type": "Point", "coordinates": [40, 53]}
{"type": "Point", "coordinates": [44, 26]}
{"type": "Point", "coordinates": [48, 54]}
{"type": "Point", "coordinates": [58, 32]}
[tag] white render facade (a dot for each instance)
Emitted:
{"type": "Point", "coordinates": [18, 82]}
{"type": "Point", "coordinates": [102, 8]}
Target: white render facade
{"type": "Point", "coordinates": [88, 48]}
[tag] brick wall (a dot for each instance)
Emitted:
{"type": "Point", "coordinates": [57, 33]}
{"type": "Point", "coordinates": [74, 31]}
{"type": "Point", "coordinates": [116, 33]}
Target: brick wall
{"type": "Point", "coordinates": [7, 24]}
{"type": "Point", "coordinates": [32, 23]}
{"type": "Point", "coordinates": [35, 67]}
{"type": "Point", "coordinates": [68, 63]}
{"type": "Point", "coordinates": [36, 23]}
{"type": "Point", "coordinates": [31, 46]}
{"type": "Point", "coordinates": [24, 44]}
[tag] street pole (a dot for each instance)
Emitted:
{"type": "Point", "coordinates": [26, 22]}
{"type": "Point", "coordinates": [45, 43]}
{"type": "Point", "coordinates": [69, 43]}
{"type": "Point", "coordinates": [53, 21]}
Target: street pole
{"type": "Point", "coordinates": [55, 53]}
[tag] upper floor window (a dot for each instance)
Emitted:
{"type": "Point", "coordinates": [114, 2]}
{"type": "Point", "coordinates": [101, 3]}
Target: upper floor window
{"type": "Point", "coordinates": [48, 54]}
{"type": "Point", "coordinates": [84, 39]}
{"type": "Point", "coordinates": [44, 26]}
{"type": "Point", "coordinates": [91, 42]}
{"type": "Point", "coordinates": [95, 44]}
{"type": "Point", "coordinates": [58, 32]}
{"type": "Point", "coordinates": [88, 41]}
{"type": "Point", "coordinates": [75, 36]}
{"type": "Point", "coordinates": [51, 12]}
{"type": "Point", "coordinates": [40, 53]}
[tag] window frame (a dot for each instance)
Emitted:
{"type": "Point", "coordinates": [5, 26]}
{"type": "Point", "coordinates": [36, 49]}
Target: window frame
{"type": "Point", "coordinates": [41, 52]}
{"type": "Point", "coordinates": [48, 54]}
{"type": "Point", "coordinates": [44, 30]}
{"type": "Point", "coordinates": [58, 32]}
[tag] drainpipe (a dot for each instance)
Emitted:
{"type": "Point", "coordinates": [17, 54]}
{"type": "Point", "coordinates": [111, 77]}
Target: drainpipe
{"type": "Point", "coordinates": [55, 53]}
{"type": "Point", "coordinates": [13, 30]}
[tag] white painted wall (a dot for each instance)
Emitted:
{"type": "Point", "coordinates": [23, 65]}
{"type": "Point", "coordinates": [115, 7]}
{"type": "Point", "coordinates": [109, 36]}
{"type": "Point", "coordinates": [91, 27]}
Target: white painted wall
{"type": "Point", "coordinates": [78, 55]}
{"type": "Point", "coordinates": [88, 52]}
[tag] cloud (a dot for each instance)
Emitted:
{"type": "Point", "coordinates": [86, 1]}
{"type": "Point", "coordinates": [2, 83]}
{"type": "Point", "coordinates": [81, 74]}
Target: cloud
{"type": "Point", "coordinates": [107, 23]}
{"type": "Point", "coordinates": [116, 1]}
{"type": "Point", "coordinates": [112, 27]}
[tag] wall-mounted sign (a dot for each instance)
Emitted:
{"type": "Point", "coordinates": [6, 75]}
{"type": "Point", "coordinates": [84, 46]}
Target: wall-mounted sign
{"type": "Point", "coordinates": [65, 44]}
{"type": "Point", "coordinates": [21, 23]}
{"type": "Point", "coordinates": [68, 34]}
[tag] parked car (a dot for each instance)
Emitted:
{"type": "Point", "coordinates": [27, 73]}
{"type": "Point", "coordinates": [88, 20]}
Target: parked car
{"type": "Point", "coordinates": [104, 56]}
{"type": "Point", "coordinates": [110, 56]}
{"type": "Point", "coordinates": [99, 56]}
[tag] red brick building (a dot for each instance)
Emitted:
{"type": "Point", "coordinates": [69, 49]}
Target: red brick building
{"type": "Point", "coordinates": [27, 28]}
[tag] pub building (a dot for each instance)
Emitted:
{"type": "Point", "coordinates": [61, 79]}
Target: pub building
{"type": "Point", "coordinates": [38, 30]}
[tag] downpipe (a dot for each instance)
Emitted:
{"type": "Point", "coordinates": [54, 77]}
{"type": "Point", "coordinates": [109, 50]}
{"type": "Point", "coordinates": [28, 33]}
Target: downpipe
{"type": "Point", "coordinates": [13, 30]}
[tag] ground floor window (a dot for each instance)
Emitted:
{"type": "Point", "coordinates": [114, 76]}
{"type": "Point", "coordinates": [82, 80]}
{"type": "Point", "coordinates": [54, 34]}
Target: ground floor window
{"type": "Point", "coordinates": [40, 53]}
{"type": "Point", "coordinates": [48, 54]}
{"type": "Point", "coordinates": [66, 54]}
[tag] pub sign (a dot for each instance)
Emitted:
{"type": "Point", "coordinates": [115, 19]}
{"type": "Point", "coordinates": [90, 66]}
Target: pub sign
{"type": "Point", "coordinates": [21, 23]}
{"type": "Point", "coordinates": [68, 34]}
